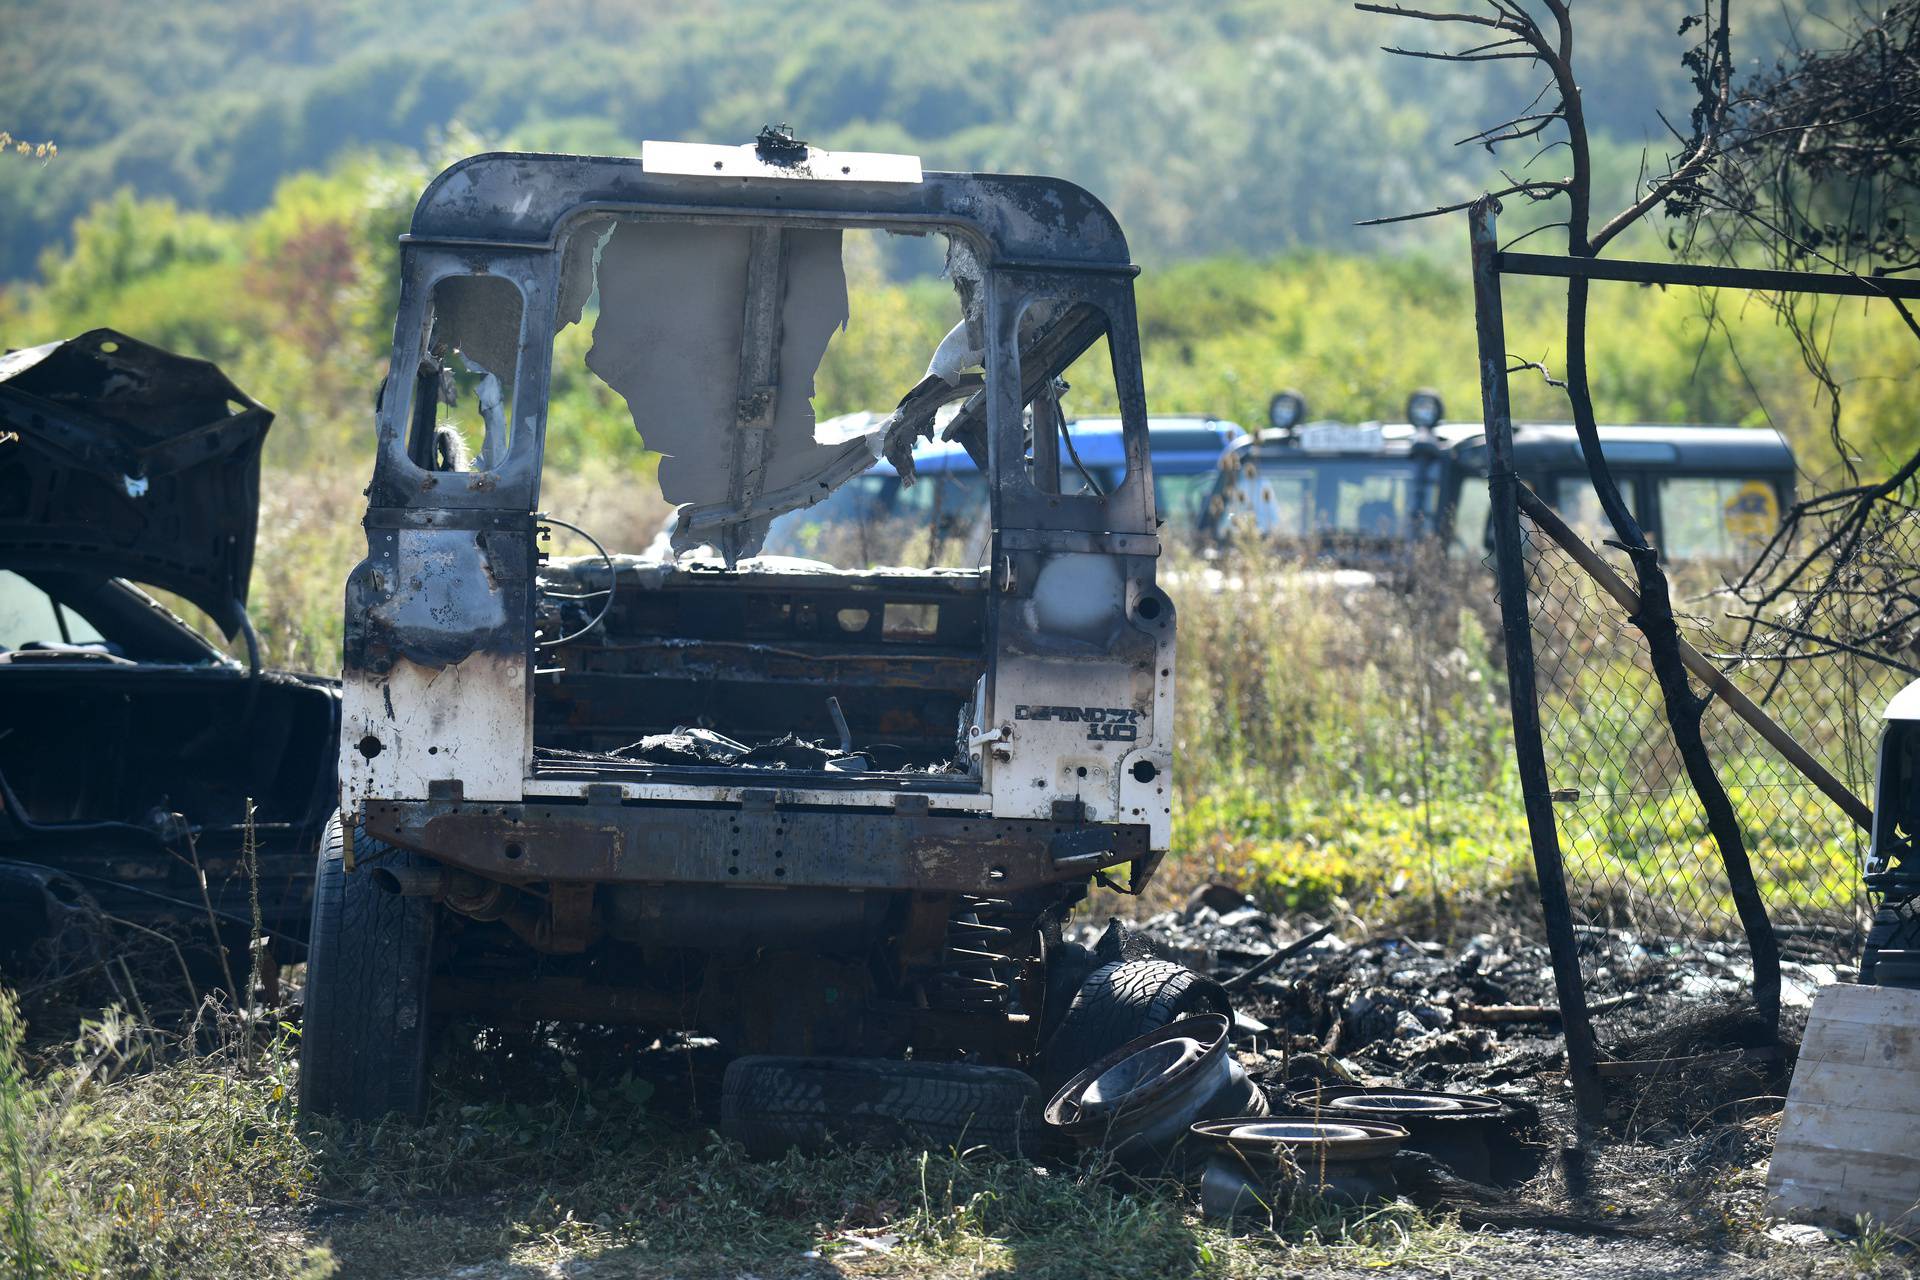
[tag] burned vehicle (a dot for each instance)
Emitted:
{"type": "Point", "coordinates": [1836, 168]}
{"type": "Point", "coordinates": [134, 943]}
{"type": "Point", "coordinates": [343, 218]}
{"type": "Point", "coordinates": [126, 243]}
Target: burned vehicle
{"type": "Point", "coordinates": [801, 809]}
{"type": "Point", "coordinates": [131, 746]}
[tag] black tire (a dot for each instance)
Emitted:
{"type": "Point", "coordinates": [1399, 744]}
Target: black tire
{"type": "Point", "coordinates": [1068, 964]}
{"type": "Point", "coordinates": [1891, 956]}
{"type": "Point", "coordinates": [770, 1104]}
{"type": "Point", "coordinates": [365, 1042]}
{"type": "Point", "coordinates": [1121, 1001]}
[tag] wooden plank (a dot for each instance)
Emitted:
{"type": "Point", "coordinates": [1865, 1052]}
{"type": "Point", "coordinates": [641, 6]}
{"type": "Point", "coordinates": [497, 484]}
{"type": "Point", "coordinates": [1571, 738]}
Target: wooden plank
{"type": "Point", "coordinates": [1890, 1173]}
{"type": "Point", "coordinates": [1849, 1141]}
{"type": "Point", "coordinates": [1848, 1084]}
{"type": "Point", "coordinates": [1846, 1131]}
{"type": "Point", "coordinates": [1850, 1003]}
{"type": "Point", "coordinates": [1680, 1066]}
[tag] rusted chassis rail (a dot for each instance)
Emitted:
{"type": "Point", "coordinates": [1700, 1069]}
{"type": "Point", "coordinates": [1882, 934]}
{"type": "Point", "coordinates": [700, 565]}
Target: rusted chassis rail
{"type": "Point", "coordinates": [762, 846]}
{"type": "Point", "coordinates": [815, 894]}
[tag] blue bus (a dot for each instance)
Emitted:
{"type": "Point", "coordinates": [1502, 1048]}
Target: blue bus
{"type": "Point", "coordinates": [864, 518]}
{"type": "Point", "coordinates": [1363, 495]}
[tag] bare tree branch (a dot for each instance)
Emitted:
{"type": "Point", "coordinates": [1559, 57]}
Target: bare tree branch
{"type": "Point", "coordinates": [1529, 56]}
{"type": "Point", "coordinates": [1543, 188]}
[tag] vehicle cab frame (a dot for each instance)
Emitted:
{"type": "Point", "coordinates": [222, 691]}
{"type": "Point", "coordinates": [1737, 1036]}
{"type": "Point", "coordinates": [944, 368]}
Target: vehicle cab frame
{"type": "Point", "coordinates": [1066, 738]}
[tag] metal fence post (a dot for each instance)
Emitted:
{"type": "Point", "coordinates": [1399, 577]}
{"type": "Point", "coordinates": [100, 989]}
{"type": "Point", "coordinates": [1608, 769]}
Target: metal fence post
{"type": "Point", "coordinates": [1517, 628]}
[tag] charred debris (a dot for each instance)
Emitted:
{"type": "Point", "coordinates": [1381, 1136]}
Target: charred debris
{"type": "Point", "coordinates": [1300, 1064]}
{"type": "Point", "coordinates": [156, 796]}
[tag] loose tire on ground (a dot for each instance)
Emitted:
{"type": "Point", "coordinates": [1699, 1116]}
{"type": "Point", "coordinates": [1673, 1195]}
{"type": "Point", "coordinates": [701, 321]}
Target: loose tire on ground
{"type": "Point", "coordinates": [1120, 1001]}
{"type": "Point", "coordinates": [769, 1104]}
{"type": "Point", "coordinates": [1891, 956]}
{"type": "Point", "coordinates": [365, 1044]}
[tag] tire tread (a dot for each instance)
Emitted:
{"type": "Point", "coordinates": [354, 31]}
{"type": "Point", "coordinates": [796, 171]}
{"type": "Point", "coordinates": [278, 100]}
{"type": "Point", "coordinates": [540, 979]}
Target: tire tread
{"type": "Point", "coordinates": [772, 1103]}
{"type": "Point", "coordinates": [1120, 1001]}
{"type": "Point", "coordinates": [365, 1036]}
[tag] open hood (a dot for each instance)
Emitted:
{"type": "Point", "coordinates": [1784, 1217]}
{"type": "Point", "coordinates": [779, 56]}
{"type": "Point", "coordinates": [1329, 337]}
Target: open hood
{"type": "Point", "coordinates": [122, 459]}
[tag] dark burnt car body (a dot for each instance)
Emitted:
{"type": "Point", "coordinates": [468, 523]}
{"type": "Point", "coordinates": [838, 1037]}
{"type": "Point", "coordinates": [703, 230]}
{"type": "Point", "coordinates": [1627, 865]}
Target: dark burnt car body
{"type": "Point", "coordinates": [882, 900]}
{"type": "Point", "coordinates": [130, 746]}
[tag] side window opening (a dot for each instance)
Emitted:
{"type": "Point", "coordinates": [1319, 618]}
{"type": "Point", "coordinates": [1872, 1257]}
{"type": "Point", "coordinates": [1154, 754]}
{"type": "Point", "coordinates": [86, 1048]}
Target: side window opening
{"type": "Point", "coordinates": [1068, 374]}
{"type": "Point", "coordinates": [750, 372]}
{"type": "Point", "coordinates": [463, 390]}
{"type": "Point", "coordinates": [30, 617]}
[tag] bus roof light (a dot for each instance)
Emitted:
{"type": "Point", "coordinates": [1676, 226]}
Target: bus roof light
{"type": "Point", "coordinates": [1425, 410]}
{"type": "Point", "coordinates": [1287, 410]}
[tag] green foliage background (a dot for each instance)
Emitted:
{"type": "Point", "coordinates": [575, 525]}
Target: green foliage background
{"type": "Point", "coordinates": [232, 177]}
{"type": "Point", "coordinates": [1234, 126]}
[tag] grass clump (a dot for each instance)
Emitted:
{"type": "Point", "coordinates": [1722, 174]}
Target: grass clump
{"type": "Point", "coordinates": [191, 1167]}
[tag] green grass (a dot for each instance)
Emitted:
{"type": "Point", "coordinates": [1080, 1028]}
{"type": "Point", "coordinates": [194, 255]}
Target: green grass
{"type": "Point", "coordinates": [199, 1168]}
{"type": "Point", "coordinates": [1342, 751]}
{"type": "Point", "coordinates": [187, 1169]}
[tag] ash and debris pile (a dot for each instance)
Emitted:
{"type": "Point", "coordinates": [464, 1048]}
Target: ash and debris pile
{"type": "Point", "coordinates": [1480, 1014]}
{"type": "Point", "coordinates": [703, 748]}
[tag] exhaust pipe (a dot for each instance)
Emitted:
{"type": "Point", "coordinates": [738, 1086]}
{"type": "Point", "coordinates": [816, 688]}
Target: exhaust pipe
{"type": "Point", "coordinates": [411, 882]}
{"type": "Point", "coordinates": [484, 900]}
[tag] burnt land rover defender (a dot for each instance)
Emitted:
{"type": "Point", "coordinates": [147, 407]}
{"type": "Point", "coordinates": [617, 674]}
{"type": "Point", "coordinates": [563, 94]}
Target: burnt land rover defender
{"type": "Point", "coordinates": [800, 809]}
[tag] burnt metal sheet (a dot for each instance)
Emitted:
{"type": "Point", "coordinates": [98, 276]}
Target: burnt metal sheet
{"type": "Point", "coordinates": [126, 460]}
{"type": "Point", "coordinates": [680, 301]}
{"type": "Point", "coordinates": [795, 160]}
{"type": "Point", "coordinates": [768, 846]}
{"type": "Point", "coordinates": [761, 334]}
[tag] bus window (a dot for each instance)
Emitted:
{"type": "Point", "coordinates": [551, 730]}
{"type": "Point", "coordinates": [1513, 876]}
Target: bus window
{"type": "Point", "coordinates": [1181, 499]}
{"type": "Point", "coordinates": [1470, 513]}
{"type": "Point", "coordinates": [1371, 502]}
{"type": "Point", "coordinates": [1579, 505]}
{"type": "Point", "coordinates": [1716, 517]}
{"type": "Point", "coordinates": [1279, 502]}
{"type": "Point", "coordinates": [1330, 496]}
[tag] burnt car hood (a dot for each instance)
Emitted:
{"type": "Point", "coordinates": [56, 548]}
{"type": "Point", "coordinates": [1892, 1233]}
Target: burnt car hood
{"type": "Point", "coordinates": [121, 459]}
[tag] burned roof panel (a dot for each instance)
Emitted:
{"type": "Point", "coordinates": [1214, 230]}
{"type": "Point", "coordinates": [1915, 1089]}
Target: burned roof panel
{"type": "Point", "coordinates": [529, 197]}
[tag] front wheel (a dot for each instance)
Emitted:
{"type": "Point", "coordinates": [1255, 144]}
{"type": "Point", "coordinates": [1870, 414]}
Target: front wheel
{"type": "Point", "coordinates": [364, 1044]}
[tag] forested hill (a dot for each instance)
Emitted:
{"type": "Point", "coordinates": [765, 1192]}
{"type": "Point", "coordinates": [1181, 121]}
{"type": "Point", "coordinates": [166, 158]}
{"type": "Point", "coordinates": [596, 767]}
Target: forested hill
{"type": "Point", "coordinates": [1240, 125]}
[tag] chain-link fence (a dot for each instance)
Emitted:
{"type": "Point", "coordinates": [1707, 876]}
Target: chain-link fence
{"type": "Point", "coordinates": [1818, 633]}
{"type": "Point", "coordinates": [1658, 933]}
